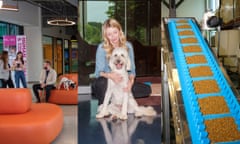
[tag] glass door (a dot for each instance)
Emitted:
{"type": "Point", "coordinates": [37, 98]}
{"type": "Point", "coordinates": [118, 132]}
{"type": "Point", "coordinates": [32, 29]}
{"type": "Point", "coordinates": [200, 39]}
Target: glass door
{"type": "Point", "coordinates": [58, 57]}
{"type": "Point", "coordinates": [48, 48]}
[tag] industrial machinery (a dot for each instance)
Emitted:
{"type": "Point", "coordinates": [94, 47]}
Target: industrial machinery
{"type": "Point", "coordinates": [184, 98]}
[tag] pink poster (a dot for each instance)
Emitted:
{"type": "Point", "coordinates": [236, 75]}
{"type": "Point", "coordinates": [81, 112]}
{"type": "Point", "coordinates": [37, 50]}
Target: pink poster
{"type": "Point", "coordinates": [9, 44]}
{"type": "Point", "coordinates": [21, 45]}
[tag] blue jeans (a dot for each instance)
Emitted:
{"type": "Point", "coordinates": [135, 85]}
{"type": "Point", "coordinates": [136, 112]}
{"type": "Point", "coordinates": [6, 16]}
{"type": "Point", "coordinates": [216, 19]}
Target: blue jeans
{"type": "Point", "coordinates": [19, 75]}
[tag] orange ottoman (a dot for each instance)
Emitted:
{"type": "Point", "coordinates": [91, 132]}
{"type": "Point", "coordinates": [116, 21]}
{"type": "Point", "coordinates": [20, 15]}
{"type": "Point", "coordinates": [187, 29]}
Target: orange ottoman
{"type": "Point", "coordinates": [14, 101]}
{"type": "Point", "coordinates": [62, 96]}
{"type": "Point", "coordinates": [40, 124]}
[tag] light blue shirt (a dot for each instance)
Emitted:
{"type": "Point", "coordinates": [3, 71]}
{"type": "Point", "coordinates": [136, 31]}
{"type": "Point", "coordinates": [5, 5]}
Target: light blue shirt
{"type": "Point", "coordinates": [102, 62]}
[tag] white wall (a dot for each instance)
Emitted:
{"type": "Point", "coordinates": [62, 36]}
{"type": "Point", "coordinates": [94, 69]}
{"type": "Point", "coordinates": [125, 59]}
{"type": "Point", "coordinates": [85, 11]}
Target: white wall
{"type": "Point", "coordinates": [189, 8]}
{"type": "Point", "coordinates": [34, 52]}
{"type": "Point", "coordinates": [27, 15]}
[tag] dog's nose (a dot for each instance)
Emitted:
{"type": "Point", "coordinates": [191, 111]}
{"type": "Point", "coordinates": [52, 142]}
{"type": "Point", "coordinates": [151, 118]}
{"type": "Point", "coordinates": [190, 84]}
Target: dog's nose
{"type": "Point", "coordinates": [118, 61]}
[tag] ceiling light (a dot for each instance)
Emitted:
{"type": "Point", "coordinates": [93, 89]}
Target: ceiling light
{"type": "Point", "coordinates": [1, 3]}
{"type": "Point", "coordinates": [9, 7]}
{"type": "Point", "coordinates": [61, 22]}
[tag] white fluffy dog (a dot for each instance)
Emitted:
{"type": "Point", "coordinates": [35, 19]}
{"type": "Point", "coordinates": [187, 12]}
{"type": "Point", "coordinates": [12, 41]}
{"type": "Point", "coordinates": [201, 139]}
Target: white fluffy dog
{"type": "Point", "coordinates": [67, 83]}
{"type": "Point", "coordinates": [118, 102]}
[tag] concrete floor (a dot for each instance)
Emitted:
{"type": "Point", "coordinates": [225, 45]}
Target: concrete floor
{"type": "Point", "coordinates": [69, 132]}
{"type": "Point", "coordinates": [68, 135]}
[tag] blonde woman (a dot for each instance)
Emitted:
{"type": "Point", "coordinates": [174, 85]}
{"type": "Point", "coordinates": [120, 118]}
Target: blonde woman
{"type": "Point", "coordinates": [113, 37]}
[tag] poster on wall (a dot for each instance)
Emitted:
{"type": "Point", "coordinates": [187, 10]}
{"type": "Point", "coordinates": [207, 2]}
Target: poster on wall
{"type": "Point", "coordinates": [14, 44]}
{"type": "Point", "coordinates": [9, 44]}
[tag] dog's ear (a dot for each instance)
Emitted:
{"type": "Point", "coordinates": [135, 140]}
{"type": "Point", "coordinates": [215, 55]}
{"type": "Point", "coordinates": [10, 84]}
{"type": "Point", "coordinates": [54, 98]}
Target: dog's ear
{"type": "Point", "coordinates": [111, 63]}
{"type": "Point", "coordinates": [128, 63]}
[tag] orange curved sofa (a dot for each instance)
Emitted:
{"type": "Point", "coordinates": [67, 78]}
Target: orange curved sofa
{"type": "Point", "coordinates": [24, 122]}
{"type": "Point", "coordinates": [62, 96]}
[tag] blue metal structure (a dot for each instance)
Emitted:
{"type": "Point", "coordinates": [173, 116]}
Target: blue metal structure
{"type": "Point", "coordinates": [194, 116]}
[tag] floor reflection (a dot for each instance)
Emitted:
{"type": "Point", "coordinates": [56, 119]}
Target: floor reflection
{"type": "Point", "coordinates": [144, 130]}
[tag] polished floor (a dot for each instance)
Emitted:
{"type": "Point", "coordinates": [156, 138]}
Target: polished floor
{"type": "Point", "coordinates": [144, 130]}
{"type": "Point", "coordinates": [68, 135]}
{"type": "Point", "coordinates": [69, 132]}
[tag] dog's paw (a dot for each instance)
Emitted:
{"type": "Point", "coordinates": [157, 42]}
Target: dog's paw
{"type": "Point", "coordinates": [102, 114]}
{"type": "Point", "coordinates": [151, 111]}
{"type": "Point", "coordinates": [99, 115]}
{"type": "Point", "coordinates": [123, 117]}
{"type": "Point", "coordinates": [138, 114]}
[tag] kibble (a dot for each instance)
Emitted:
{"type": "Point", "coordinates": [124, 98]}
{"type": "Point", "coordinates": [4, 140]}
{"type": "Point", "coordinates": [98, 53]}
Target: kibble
{"type": "Point", "coordinates": [222, 130]}
{"type": "Point", "coordinates": [192, 48]}
{"type": "Point", "coordinates": [182, 21]}
{"type": "Point", "coordinates": [206, 86]}
{"type": "Point", "coordinates": [200, 71]}
{"type": "Point", "coordinates": [189, 40]}
{"type": "Point", "coordinates": [184, 26]}
{"type": "Point", "coordinates": [196, 59]}
{"type": "Point", "coordinates": [218, 129]}
{"type": "Point", "coordinates": [213, 105]}
{"type": "Point", "coordinates": [186, 32]}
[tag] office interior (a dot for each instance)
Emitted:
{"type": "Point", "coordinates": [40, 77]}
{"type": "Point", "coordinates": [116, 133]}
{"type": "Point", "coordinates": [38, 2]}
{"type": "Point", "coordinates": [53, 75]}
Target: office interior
{"type": "Point", "coordinates": [145, 23]}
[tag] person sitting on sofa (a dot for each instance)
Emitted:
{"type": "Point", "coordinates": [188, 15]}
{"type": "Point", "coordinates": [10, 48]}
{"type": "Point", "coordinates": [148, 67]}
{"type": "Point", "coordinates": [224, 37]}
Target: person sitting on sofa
{"type": "Point", "coordinates": [48, 79]}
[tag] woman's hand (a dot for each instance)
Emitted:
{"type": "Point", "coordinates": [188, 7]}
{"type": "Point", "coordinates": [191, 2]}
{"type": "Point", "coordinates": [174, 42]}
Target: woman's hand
{"type": "Point", "coordinates": [129, 84]}
{"type": "Point", "coordinates": [129, 87]}
{"type": "Point", "coordinates": [117, 78]}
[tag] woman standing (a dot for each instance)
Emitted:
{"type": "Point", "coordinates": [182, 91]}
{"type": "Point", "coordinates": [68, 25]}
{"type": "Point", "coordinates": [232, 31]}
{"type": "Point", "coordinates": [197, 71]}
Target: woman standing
{"type": "Point", "coordinates": [18, 65]}
{"type": "Point", "coordinates": [114, 37]}
{"type": "Point", "coordinates": [4, 69]}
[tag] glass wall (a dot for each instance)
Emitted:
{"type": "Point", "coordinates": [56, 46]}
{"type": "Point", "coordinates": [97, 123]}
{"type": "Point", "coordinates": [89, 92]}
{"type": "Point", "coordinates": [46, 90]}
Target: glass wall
{"type": "Point", "coordinates": [141, 24]}
{"type": "Point", "coordinates": [139, 19]}
{"type": "Point", "coordinates": [9, 29]}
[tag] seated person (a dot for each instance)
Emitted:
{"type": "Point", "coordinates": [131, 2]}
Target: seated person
{"type": "Point", "coordinates": [47, 81]}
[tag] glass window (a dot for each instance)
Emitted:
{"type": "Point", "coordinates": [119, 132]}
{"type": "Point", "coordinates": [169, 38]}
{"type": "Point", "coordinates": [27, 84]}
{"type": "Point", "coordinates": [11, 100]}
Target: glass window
{"type": "Point", "coordinates": [66, 56]}
{"type": "Point", "coordinates": [9, 29]}
{"type": "Point", "coordinates": [140, 21]}
{"type": "Point", "coordinates": [3, 29]}
{"type": "Point", "coordinates": [47, 48]}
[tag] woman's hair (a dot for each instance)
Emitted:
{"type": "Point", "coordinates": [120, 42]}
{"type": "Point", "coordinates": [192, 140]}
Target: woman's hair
{"type": "Point", "coordinates": [21, 59]}
{"type": "Point", "coordinates": [5, 59]}
{"type": "Point", "coordinates": [106, 43]}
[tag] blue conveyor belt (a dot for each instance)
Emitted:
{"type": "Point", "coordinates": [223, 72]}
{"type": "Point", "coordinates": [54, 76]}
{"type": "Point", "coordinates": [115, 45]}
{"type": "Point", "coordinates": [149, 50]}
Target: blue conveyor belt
{"type": "Point", "coordinates": [195, 118]}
